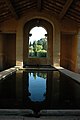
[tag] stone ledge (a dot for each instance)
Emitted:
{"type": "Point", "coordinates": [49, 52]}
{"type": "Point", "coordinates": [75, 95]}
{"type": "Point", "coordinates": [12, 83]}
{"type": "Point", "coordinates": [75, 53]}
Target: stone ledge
{"type": "Point", "coordinates": [69, 73]}
{"type": "Point", "coordinates": [63, 112]}
{"type": "Point", "coordinates": [17, 112]}
{"type": "Point", "coordinates": [7, 72]}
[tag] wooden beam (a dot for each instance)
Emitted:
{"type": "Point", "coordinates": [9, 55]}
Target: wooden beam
{"type": "Point", "coordinates": [11, 8]}
{"type": "Point", "coordinates": [39, 4]}
{"type": "Point", "coordinates": [65, 8]}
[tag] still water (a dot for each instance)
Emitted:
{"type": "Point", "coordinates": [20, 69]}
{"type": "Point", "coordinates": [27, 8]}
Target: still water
{"type": "Point", "coordinates": [39, 90]}
{"type": "Point", "coordinates": [37, 86]}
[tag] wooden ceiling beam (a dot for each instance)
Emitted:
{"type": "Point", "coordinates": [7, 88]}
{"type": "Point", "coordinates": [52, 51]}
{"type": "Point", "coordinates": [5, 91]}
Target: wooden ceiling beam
{"type": "Point", "coordinates": [11, 8]}
{"type": "Point", "coordinates": [65, 8]}
{"type": "Point", "coordinates": [39, 5]}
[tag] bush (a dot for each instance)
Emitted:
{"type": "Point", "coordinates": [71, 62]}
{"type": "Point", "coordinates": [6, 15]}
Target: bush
{"type": "Point", "coordinates": [42, 53]}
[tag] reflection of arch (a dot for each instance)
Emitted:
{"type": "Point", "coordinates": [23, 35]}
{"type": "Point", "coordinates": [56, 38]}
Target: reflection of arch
{"type": "Point", "coordinates": [28, 26]}
{"type": "Point", "coordinates": [36, 79]}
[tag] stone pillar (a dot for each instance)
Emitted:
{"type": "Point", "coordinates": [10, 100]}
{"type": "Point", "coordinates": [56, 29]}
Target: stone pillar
{"type": "Point", "coordinates": [56, 47]}
{"type": "Point", "coordinates": [19, 46]}
{"type": "Point", "coordinates": [78, 52]}
{"type": "Point", "coordinates": [1, 51]}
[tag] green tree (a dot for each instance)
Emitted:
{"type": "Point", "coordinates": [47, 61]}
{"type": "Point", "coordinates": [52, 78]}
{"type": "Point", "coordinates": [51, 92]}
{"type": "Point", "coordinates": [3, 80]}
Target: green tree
{"type": "Point", "coordinates": [39, 47]}
{"type": "Point", "coordinates": [35, 47]}
{"type": "Point", "coordinates": [30, 44]}
{"type": "Point", "coordinates": [44, 44]}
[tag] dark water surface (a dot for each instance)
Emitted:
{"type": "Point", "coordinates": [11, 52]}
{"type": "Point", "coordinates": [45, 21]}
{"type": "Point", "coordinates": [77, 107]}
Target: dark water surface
{"type": "Point", "coordinates": [39, 90]}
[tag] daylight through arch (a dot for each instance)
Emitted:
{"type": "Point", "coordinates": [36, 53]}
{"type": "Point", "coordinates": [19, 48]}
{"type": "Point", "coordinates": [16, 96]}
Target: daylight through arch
{"type": "Point", "coordinates": [38, 42]}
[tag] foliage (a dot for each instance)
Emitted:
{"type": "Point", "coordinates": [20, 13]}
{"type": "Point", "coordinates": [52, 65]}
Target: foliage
{"type": "Point", "coordinates": [38, 48]}
{"type": "Point", "coordinates": [42, 53]}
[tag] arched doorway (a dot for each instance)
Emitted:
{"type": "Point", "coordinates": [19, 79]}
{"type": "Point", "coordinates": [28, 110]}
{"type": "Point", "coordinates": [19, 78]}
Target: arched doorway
{"type": "Point", "coordinates": [48, 60]}
{"type": "Point", "coordinates": [37, 43]}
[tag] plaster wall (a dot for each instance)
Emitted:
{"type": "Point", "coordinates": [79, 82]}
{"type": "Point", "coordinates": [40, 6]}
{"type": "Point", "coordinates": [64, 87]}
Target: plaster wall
{"type": "Point", "coordinates": [69, 44]}
{"type": "Point", "coordinates": [66, 25]}
{"type": "Point", "coordinates": [19, 35]}
{"type": "Point", "coordinates": [9, 26]}
{"type": "Point", "coordinates": [68, 51]}
{"type": "Point", "coordinates": [7, 50]}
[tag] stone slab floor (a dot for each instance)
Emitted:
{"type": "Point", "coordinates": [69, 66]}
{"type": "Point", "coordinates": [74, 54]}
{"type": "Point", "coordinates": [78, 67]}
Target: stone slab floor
{"type": "Point", "coordinates": [41, 118]}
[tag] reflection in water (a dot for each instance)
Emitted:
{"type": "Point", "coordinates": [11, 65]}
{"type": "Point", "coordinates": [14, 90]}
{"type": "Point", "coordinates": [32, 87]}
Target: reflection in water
{"type": "Point", "coordinates": [37, 86]}
{"type": "Point", "coordinates": [39, 90]}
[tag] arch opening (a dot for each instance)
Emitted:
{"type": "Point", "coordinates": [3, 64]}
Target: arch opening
{"type": "Point", "coordinates": [37, 42]}
{"type": "Point", "coordinates": [42, 56]}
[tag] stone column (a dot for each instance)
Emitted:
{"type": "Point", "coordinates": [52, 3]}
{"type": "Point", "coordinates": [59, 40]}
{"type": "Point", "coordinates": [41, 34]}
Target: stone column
{"type": "Point", "coordinates": [19, 46]}
{"type": "Point", "coordinates": [78, 52]}
{"type": "Point", "coordinates": [1, 51]}
{"type": "Point", "coordinates": [56, 47]}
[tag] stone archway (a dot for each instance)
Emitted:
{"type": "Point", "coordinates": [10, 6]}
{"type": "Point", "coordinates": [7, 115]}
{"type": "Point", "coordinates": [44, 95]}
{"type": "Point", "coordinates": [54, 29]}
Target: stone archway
{"type": "Point", "coordinates": [27, 27]}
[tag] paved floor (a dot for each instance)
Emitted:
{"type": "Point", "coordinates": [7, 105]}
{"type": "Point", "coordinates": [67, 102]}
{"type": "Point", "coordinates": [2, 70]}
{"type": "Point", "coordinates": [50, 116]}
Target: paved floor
{"type": "Point", "coordinates": [41, 118]}
{"type": "Point", "coordinates": [19, 114]}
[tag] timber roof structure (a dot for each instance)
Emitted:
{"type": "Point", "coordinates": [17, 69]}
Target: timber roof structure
{"type": "Point", "coordinates": [62, 8]}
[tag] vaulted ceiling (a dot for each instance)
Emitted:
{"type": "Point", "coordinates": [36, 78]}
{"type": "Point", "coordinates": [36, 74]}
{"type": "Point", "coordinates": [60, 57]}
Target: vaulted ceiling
{"type": "Point", "coordinates": [62, 8]}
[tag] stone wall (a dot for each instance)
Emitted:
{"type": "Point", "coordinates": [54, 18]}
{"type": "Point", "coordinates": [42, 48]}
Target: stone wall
{"type": "Point", "coordinates": [66, 25]}
{"type": "Point", "coordinates": [7, 50]}
{"type": "Point", "coordinates": [68, 51]}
